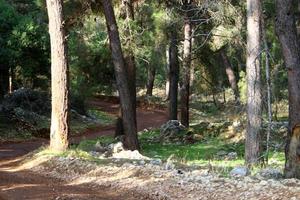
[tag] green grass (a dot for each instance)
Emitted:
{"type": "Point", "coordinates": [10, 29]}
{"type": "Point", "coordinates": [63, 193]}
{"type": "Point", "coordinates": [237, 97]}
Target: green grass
{"type": "Point", "coordinates": [103, 117]}
{"type": "Point", "coordinates": [71, 152]}
{"type": "Point", "coordinates": [201, 154]}
{"type": "Point", "coordinates": [88, 145]}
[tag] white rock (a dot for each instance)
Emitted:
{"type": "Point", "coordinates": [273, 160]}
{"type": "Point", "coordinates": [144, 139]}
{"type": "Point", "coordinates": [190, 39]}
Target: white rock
{"type": "Point", "coordinates": [116, 148]}
{"type": "Point", "coordinates": [239, 171]}
{"type": "Point", "coordinates": [134, 155]}
{"type": "Point", "coordinates": [156, 162]}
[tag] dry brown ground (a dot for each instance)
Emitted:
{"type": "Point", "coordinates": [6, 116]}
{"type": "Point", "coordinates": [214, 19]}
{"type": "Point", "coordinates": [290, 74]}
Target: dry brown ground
{"type": "Point", "coordinates": [17, 183]}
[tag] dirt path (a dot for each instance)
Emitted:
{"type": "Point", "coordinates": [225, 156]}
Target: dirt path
{"type": "Point", "coordinates": [17, 183]}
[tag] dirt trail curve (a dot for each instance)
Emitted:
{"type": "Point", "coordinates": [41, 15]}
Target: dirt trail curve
{"type": "Point", "coordinates": [19, 184]}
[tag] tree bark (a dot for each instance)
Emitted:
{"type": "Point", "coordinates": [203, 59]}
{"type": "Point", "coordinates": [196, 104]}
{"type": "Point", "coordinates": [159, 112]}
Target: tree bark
{"type": "Point", "coordinates": [287, 34]}
{"type": "Point", "coordinates": [187, 58]}
{"type": "Point", "coordinates": [173, 76]}
{"type": "Point", "coordinates": [230, 75]}
{"type": "Point", "coordinates": [268, 81]}
{"type": "Point", "coordinates": [128, 111]}
{"type": "Point", "coordinates": [150, 79]}
{"type": "Point", "coordinates": [59, 77]}
{"type": "Point", "coordinates": [11, 77]}
{"type": "Point", "coordinates": [129, 55]}
{"type": "Point", "coordinates": [167, 92]}
{"type": "Point", "coordinates": [192, 71]}
{"type": "Point", "coordinates": [254, 93]}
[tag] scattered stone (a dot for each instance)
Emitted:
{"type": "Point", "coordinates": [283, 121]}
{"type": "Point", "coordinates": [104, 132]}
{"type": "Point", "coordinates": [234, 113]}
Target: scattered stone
{"type": "Point", "coordinates": [263, 183]}
{"type": "Point", "coordinates": [116, 148]}
{"type": "Point", "coordinates": [239, 171]}
{"type": "Point", "coordinates": [270, 173]}
{"type": "Point", "coordinates": [172, 184]}
{"type": "Point", "coordinates": [142, 162]}
{"type": "Point", "coordinates": [99, 147]}
{"type": "Point", "coordinates": [133, 155]}
{"type": "Point", "coordinates": [171, 129]}
{"type": "Point", "coordinates": [156, 162]}
{"type": "Point", "coordinates": [291, 182]}
{"type": "Point", "coordinates": [221, 153]}
{"type": "Point", "coordinates": [169, 164]}
{"type": "Point", "coordinates": [232, 156]}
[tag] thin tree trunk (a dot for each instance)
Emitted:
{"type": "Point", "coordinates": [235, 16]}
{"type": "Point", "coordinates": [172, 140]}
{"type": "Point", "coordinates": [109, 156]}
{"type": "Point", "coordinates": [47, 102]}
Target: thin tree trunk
{"type": "Point", "coordinates": [192, 71]}
{"type": "Point", "coordinates": [59, 77]}
{"type": "Point", "coordinates": [254, 94]}
{"type": "Point", "coordinates": [11, 74]}
{"type": "Point", "coordinates": [268, 81]}
{"type": "Point", "coordinates": [187, 58]}
{"type": "Point", "coordinates": [150, 79]}
{"type": "Point", "coordinates": [230, 75]}
{"type": "Point", "coordinates": [167, 73]}
{"type": "Point", "coordinates": [287, 34]}
{"type": "Point", "coordinates": [173, 76]}
{"type": "Point", "coordinates": [128, 112]}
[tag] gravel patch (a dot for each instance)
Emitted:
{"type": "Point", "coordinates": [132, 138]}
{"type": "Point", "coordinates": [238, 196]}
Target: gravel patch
{"type": "Point", "coordinates": [156, 181]}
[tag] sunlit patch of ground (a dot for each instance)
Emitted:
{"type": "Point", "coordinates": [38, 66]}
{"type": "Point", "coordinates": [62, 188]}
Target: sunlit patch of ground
{"type": "Point", "coordinates": [158, 182]}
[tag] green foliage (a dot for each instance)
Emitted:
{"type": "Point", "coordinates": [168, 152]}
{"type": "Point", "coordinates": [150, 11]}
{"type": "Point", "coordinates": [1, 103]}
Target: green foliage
{"type": "Point", "coordinates": [243, 87]}
{"type": "Point", "coordinates": [8, 20]}
{"type": "Point", "coordinates": [24, 43]}
{"type": "Point", "coordinates": [91, 68]}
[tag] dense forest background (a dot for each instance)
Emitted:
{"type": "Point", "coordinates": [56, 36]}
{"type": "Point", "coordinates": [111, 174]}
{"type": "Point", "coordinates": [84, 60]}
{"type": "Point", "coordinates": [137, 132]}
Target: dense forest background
{"type": "Point", "coordinates": [223, 60]}
{"type": "Point", "coordinates": [219, 30]}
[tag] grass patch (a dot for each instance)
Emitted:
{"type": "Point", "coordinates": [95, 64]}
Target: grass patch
{"type": "Point", "coordinates": [103, 117]}
{"type": "Point", "coordinates": [202, 154]}
{"type": "Point", "coordinates": [71, 152]}
{"type": "Point", "coordinates": [88, 145]}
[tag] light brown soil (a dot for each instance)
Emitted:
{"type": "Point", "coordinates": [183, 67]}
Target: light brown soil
{"type": "Point", "coordinates": [21, 184]}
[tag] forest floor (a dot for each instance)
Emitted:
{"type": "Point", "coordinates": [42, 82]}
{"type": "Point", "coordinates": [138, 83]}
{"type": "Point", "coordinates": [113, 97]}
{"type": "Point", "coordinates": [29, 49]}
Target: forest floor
{"type": "Point", "coordinates": [18, 182]}
{"type": "Point", "coordinates": [46, 175]}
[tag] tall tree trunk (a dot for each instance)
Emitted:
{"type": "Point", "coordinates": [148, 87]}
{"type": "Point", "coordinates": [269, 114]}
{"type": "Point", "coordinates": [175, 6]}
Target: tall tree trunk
{"type": "Point", "coordinates": [128, 111]}
{"type": "Point", "coordinates": [167, 92]}
{"type": "Point", "coordinates": [59, 77]}
{"type": "Point", "coordinates": [268, 81]}
{"type": "Point", "coordinates": [187, 58]}
{"type": "Point", "coordinates": [254, 94]}
{"type": "Point", "coordinates": [150, 79]}
{"type": "Point", "coordinates": [11, 77]}
{"type": "Point", "coordinates": [192, 71]}
{"type": "Point", "coordinates": [287, 34]}
{"type": "Point", "coordinates": [129, 55]}
{"type": "Point", "coordinates": [173, 75]}
{"type": "Point", "coordinates": [230, 75]}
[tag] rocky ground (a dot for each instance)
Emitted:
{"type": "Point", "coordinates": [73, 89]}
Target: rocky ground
{"type": "Point", "coordinates": [153, 179]}
{"type": "Point", "coordinates": [113, 173]}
